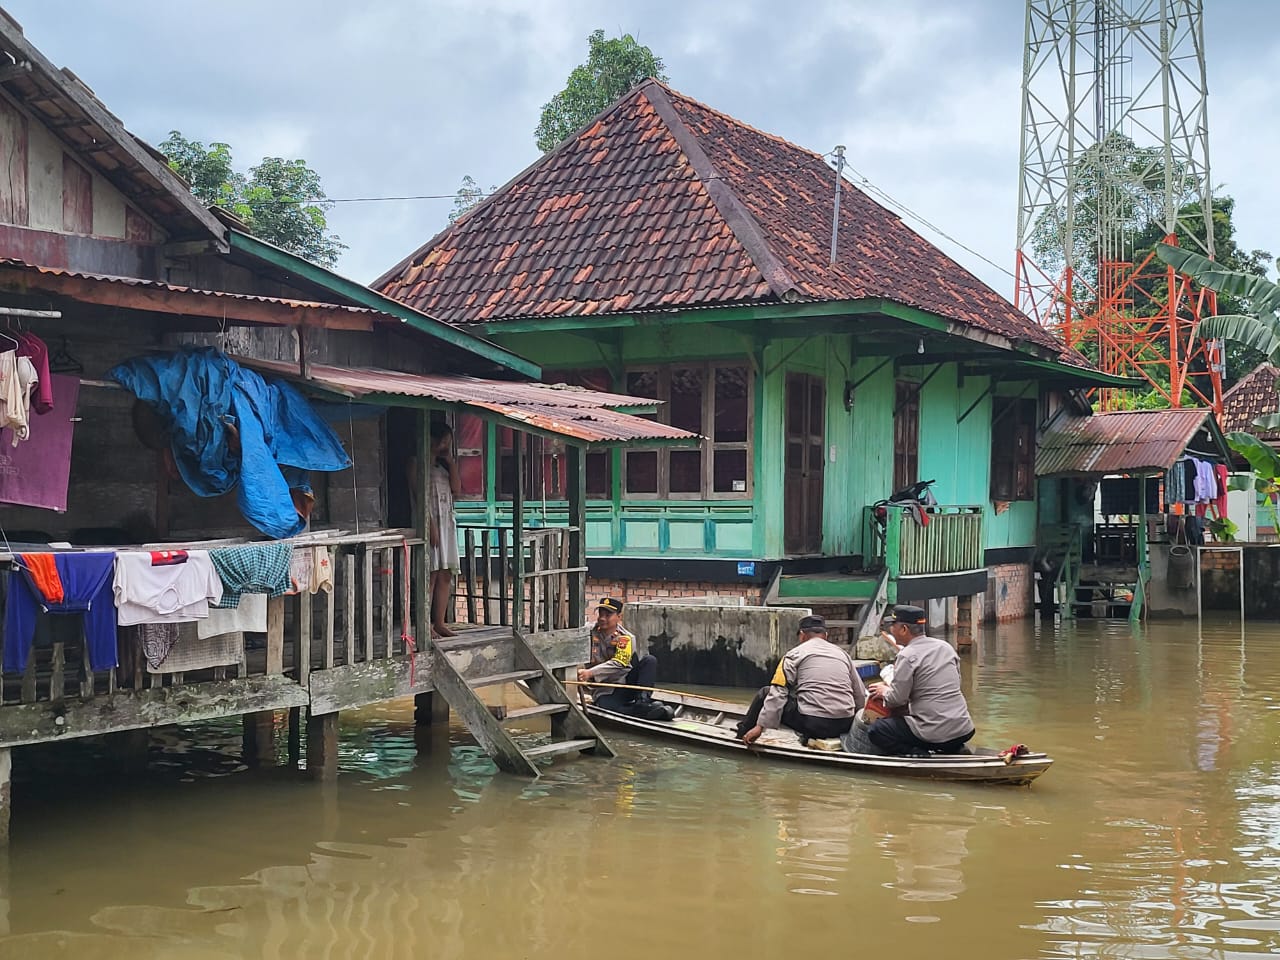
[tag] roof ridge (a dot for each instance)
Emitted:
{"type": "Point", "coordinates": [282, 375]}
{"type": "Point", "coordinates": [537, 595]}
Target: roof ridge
{"type": "Point", "coordinates": [730, 118]}
{"type": "Point", "coordinates": [400, 266]}
{"type": "Point", "coordinates": [745, 227]}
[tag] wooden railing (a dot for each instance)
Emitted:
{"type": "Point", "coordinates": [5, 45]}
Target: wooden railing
{"type": "Point", "coordinates": [490, 582]}
{"type": "Point", "coordinates": [951, 542]}
{"type": "Point", "coordinates": [367, 616]}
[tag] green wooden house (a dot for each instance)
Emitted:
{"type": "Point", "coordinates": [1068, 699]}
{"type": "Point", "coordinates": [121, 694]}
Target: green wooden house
{"type": "Point", "coordinates": [672, 252]}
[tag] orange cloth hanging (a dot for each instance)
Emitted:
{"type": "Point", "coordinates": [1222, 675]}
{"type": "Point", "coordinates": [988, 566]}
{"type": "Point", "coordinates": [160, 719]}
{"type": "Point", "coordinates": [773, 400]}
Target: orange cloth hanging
{"type": "Point", "coordinates": [44, 574]}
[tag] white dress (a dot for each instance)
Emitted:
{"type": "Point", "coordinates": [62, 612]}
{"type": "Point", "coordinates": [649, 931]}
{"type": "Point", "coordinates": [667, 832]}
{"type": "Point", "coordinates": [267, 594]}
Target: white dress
{"type": "Point", "coordinates": [444, 556]}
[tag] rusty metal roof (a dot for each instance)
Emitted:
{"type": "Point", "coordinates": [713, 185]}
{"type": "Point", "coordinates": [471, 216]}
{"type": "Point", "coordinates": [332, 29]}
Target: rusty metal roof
{"type": "Point", "coordinates": [32, 275]}
{"type": "Point", "coordinates": [1136, 441]}
{"type": "Point", "coordinates": [575, 413]}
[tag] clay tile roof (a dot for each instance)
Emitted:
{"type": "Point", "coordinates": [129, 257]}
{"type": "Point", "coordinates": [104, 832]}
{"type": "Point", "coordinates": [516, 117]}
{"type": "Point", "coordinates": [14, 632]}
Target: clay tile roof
{"type": "Point", "coordinates": [663, 202]}
{"type": "Point", "coordinates": [1253, 395]}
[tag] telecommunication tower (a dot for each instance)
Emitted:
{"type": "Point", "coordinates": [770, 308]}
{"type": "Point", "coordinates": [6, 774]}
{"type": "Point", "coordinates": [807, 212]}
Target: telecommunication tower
{"type": "Point", "coordinates": [1115, 148]}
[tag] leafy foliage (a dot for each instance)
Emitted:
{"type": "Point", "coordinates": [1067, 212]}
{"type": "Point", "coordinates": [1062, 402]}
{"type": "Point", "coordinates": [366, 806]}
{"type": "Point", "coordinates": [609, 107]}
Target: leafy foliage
{"type": "Point", "coordinates": [1255, 327]}
{"type": "Point", "coordinates": [280, 201]}
{"type": "Point", "coordinates": [469, 194]}
{"type": "Point", "coordinates": [1119, 183]}
{"type": "Point", "coordinates": [613, 67]}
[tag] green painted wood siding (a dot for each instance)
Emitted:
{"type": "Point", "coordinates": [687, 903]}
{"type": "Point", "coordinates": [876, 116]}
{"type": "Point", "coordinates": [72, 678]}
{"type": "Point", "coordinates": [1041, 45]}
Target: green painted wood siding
{"type": "Point", "coordinates": [859, 462]}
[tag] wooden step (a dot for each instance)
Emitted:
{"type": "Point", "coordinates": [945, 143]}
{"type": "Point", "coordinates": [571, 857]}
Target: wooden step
{"type": "Point", "coordinates": [496, 678]}
{"type": "Point", "coordinates": [540, 710]}
{"type": "Point", "coordinates": [466, 642]}
{"type": "Point", "coordinates": [557, 747]}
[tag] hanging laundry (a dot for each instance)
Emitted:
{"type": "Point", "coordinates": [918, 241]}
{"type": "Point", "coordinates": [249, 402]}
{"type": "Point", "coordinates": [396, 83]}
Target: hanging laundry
{"type": "Point", "coordinates": [1206, 481]}
{"type": "Point", "coordinates": [37, 473]}
{"type": "Point", "coordinates": [206, 400]}
{"type": "Point", "coordinates": [250, 616]}
{"type": "Point", "coordinates": [167, 593]}
{"type": "Point", "coordinates": [1175, 485]}
{"type": "Point", "coordinates": [1188, 481]}
{"type": "Point", "coordinates": [156, 640]}
{"type": "Point", "coordinates": [17, 378]}
{"type": "Point", "coordinates": [1220, 471]}
{"type": "Point", "coordinates": [32, 347]}
{"type": "Point", "coordinates": [311, 570]}
{"type": "Point", "coordinates": [189, 652]}
{"type": "Point", "coordinates": [254, 568]}
{"type": "Point", "coordinates": [82, 584]}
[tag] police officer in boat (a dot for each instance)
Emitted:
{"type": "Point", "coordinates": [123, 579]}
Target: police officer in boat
{"type": "Point", "coordinates": [926, 680]}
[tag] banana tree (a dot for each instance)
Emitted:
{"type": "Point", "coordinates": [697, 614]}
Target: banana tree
{"type": "Point", "coordinates": [1265, 462]}
{"type": "Point", "coordinates": [1259, 330]}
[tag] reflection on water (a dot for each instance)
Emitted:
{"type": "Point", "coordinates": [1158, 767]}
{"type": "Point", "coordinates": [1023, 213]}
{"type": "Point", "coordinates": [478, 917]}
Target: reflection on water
{"type": "Point", "coordinates": [1157, 834]}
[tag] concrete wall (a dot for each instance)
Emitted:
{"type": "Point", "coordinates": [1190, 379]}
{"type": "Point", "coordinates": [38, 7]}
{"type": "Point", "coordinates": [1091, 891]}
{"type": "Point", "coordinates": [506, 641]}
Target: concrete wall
{"type": "Point", "coordinates": [724, 646]}
{"type": "Point", "coordinates": [1164, 600]}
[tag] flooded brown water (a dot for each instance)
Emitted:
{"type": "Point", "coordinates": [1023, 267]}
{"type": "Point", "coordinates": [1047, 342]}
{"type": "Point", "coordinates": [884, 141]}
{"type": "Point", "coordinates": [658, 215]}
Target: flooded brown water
{"type": "Point", "coordinates": [1157, 834]}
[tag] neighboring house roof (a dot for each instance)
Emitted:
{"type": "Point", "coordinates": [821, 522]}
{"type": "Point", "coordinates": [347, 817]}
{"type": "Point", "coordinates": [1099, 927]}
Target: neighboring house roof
{"type": "Point", "coordinates": [1253, 396]}
{"type": "Point", "coordinates": [60, 100]}
{"type": "Point", "coordinates": [1132, 441]}
{"type": "Point", "coordinates": [157, 297]}
{"type": "Point", "coordinates": [581, 416]}
{"type": "Point", "coordinates": [664, 203]}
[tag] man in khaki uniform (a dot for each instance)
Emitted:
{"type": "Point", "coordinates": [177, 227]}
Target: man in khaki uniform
{"type": "Point", "coordinates": [816, 691]}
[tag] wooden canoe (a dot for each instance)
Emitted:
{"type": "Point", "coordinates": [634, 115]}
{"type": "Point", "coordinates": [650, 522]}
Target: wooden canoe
{"type": "Point", "coordinates": [710, 723]}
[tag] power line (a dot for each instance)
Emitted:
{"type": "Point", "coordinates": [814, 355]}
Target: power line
{"type": "Point", "coordinates": [870, 187]}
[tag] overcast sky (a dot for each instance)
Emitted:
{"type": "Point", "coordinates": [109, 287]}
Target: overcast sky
{"type": "Point", "coordinates": [395, 97]}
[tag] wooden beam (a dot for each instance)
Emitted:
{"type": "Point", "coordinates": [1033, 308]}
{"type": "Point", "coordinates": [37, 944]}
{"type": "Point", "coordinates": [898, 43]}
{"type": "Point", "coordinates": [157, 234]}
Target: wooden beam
{"type": "Point", "coordinates": [185, 303]}
{"type": "Point", "coordinates": [375, 681]}
{"type": "Point", "coordinates": [576, 483]}
{"type": "Point", "coordinates": [157, 707]}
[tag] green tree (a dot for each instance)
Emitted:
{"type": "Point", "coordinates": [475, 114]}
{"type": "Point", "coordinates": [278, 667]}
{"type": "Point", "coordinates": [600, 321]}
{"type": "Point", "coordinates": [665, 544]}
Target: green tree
{"type": "Point", "coordinates": [469, 194]}
{"type": "Point", "coordinates": [613, 67]}
{"type": "Point", "coordinates": [280, 201]}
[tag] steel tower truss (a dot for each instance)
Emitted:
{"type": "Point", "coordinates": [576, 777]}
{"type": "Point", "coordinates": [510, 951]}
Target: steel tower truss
{"type": "Point", "coordinates": [1114, 140]}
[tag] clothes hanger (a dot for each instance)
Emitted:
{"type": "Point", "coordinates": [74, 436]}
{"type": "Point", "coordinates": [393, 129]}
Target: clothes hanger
{"type": "Point", "coordinates": [63, 362]}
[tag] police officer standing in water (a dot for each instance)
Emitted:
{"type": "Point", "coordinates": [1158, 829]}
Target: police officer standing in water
{"type": "Point", "coordinates": [926, 680]}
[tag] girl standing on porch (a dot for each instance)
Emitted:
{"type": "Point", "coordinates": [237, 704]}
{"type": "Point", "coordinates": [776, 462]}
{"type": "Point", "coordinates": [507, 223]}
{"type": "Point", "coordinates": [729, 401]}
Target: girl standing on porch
{"type": "Point", "coordinates": [443, 532]}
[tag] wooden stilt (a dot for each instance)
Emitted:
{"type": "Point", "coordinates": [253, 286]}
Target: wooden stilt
{"type": "Point", "coordinates": [295, 735]}
{"type": "Point", "coordinates": [258, 738]}
{"type": "Point", "coordinates": [430, 709]}
{"type": "Point", "coordinates": [6, 795]}
{"type": "Point", "coordinates": [129, 749]}
{"type": "Point", "coordinates": [322, 746]}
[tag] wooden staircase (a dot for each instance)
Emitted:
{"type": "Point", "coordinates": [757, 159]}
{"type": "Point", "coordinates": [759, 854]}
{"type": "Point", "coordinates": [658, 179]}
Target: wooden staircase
{"type": "Point", "coordinates": [1058, 549]}
{"type": "Point", "coordinates": [499, 656]}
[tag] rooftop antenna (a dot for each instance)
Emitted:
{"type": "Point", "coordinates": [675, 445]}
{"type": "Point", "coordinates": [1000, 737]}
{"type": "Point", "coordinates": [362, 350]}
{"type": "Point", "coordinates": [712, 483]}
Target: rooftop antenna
{"type": "Point", "coordinates": [835, 213]}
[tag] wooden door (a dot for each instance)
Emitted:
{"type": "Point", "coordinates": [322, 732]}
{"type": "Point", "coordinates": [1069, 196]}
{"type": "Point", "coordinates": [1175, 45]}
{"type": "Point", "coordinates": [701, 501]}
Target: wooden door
{"type": "Point", "coordinates": [805, 456]}
{"type": "Point", "coordinates": [906, 435]}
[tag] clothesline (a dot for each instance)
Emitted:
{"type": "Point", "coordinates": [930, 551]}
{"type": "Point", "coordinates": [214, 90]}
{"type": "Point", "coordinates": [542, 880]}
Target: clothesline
{"type": "Point", "coordinates": [196, 598]}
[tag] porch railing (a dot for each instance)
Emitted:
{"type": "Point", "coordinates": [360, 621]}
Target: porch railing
{"type": "Point", "coordinates": [490, 583]}
{"type": "Point", "coordinates": [950, 542]}
{"type": "Point", "coordinates": [367, 616]}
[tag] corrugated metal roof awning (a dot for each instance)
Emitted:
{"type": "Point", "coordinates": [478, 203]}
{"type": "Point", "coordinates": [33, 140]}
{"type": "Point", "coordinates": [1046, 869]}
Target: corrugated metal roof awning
{"type": "Point", "coordinates": [1134, 441]}
{"type": "Point", "coordinates": [572, 413]}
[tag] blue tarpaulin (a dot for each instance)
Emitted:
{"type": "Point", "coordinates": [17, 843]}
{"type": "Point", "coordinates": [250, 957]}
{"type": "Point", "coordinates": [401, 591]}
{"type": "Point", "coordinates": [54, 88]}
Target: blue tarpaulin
{"type": "Point", "coordinates": [205, 398]}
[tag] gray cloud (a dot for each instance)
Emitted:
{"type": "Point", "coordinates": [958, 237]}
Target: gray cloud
{"type": "Point", "coordinates": [397, 98]}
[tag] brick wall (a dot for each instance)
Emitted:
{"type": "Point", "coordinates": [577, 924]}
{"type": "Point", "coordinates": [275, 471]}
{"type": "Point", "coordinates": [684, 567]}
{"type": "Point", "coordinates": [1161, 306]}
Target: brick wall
{"type": "Point", "coordinates": [1228, 560]}
{"type": "Point", "coordinates": [673, 590]}
{"type": "Point", "coordinates": [1010, 593]}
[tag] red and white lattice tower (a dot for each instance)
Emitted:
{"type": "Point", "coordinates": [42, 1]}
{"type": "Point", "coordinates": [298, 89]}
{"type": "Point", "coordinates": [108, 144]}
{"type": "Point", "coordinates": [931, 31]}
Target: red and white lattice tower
{"type": "Point", "coordinates": [1115, 140]}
